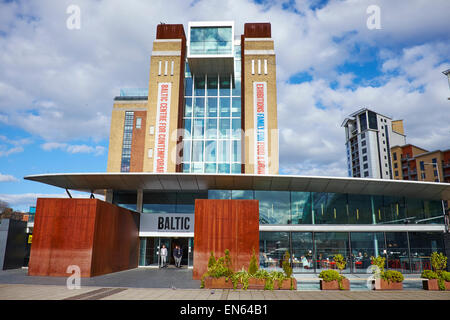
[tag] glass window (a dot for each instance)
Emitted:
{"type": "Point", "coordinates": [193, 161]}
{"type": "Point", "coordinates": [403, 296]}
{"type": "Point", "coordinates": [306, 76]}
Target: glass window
{"type": "Point", "coordinates": [301, 207]}
{"type": "Point", "coordinates": [302, 252]}
{"type": "Point", "coordinates": [224, 107]}
{"type": "Point", "coordinates": [236, 128]}
{"type": "Point", "coordinates": [187, 151]}
{"type": "Point", "coordinates": [159, 202]}
{"type": "Point", "coordinates": [365, 245]}
{"type": "Point", "coordinates": [360, 209]}
{"type": "Point", "coordinates": [210, 167]}
{"type": "Point", "coordinates": [397, 251]}
{"type": "Point", "coordinates": [188, 86]}
{"type": "Point", "coordinates": [394, 209]}
{"type": "Point", "coordinates": [329, 208]}
{"type": "Point", "coordinates": [199, 85]}
{"type": "Point", "coordinates": [125, 199]}
{"type": "Point", "coordinates": [199, 127]}
{"type": "Point", "coordinates": [236, 151]}
{"type": "Point", "coordinates": [138, 123]}
{"type": "Point", "coordinates": [219, 194]}
{"type": "Point", "coordinates": [212, 86]}
{"type": "Point", "coordinates": [224, 128]}
{"type": "Point", "coordinates": [236, 108]}
{"type": "Point", "coordinates": [197, 151]}
{"type": "Point", "coordinates": [327, 245]}
{"type": "Point", "coordinates": [188, 107]}
{"type": "Point", "coordinates": [199, 107]}
{"type": "Point", "coordinates": [242, 194]}
{"type": "Point", "coordinates": [225, 86]}
{"type": "Point", "coordinates": [224, 151]}
{"type": "Point", "coordinates": [432, 212]}
{"type": "Point", "coordinates": [274, 207]}
{"type": "Point", "coordinates": [223, 168]}
{"type": "Point", "coordinates": [211, 110]}
{"type": "Point", "coordinates": [197, 167]}
{"type": "Point", "coordinates": [236, 168]}
{"type": "Point", "coordinates": [210, 151]}
{"type": "Point", "coordinates": [373, 124]}
{"type": "Point", "coordinates": [422, 244]}
{"type": "Point", "coordinates": [186, 201]}
{"type": "Point", "coordinates": [363, 121]}
{"type": "Point", "coordinates": [272, 247]}
{"type": "Point", "coordinates": [236, 91]}
{"type": "Point", "coordinates": [186, 167]}
{"type": "Point", "coordinates": [187, 128]}
{"type": "Point", "coordinates": [211, 128]}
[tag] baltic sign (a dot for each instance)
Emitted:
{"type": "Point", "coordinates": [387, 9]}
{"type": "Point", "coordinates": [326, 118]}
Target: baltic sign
{"type": "Point", "coordinates": [167, 222]}
{"type": "Point", "coordinates": [260, 110]}
{"type": "Point", "coordinates": [162, 128]}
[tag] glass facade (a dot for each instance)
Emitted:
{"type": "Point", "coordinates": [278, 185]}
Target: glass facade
{"type": "Point", "coordinates": [408, 252]}
{"type": "Point", "coordinates": [211, 40]}
{"type": "Point", "coordinates": [295, 207]}
{"type": "Point", "coordinates": [212, 121]}
{"type": "Point", "coordinates": [127, 139]}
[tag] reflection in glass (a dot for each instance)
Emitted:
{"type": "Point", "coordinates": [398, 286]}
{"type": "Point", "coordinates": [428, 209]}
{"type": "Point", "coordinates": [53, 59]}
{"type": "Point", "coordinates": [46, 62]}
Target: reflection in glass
{"type": "Point", "coordinates": [199, 107]}
{"type": "Point", "coordinates": [199, 86]}
{"type": "Point", "coordinates": [422, 244]}
{"type": "Point", "coordinates": [188, 86]}
{"type": "Point", "coordinates": [188, 107]}
{"type": "Point", "coordinates": [212, 85]}
{"type": "Point", "coordinates": [365, 245]}
{"type": "Point", "coordinates": [224, 107]}
{"type": "Point", "coordinates": [219, 194]}
{"type": "Point", "coordinates": [328, 244]}
{"type": "Point", "coordinates": [242, 194]}
{"type": "Point", "coordinates": [125, 199]}
{"type": "Point", "coordinates": [272, 247]}
{"type": "Point", "coordinates": [301, 208]}
{"type": "Point", "coordinates": [198, 129]}
{"type": "Point", "coordinates": [211, 128]}
{"type": "Point", "coordinates": [274, 207]}
{"type": "Point", "coordinates": [302, 252]}
{"type": "Point", "coordinates": [225, 86]}
{"type": "Point", "coordinates": [211, 108]}
{"type": "Point", "coordinates": [397, 251]}
{"type": "Point", "coordinates": [197, 151]}
{"type": "Point", "coordinates": [210, 151]}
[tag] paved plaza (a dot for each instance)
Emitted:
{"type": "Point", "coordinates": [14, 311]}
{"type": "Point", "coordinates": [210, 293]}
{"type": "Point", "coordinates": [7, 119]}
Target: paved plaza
{"type": "Point", "coordinates": [177, 284]}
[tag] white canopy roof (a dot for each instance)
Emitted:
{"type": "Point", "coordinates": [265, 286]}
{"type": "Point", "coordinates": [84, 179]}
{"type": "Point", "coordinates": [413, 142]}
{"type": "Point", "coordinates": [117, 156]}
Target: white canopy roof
{"type": "Point", "coordinates": [98, 182]}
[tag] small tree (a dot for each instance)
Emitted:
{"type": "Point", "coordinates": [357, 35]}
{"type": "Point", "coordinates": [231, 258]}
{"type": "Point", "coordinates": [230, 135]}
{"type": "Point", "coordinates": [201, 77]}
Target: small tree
{"type": "Point", "coordinates": [340, 262]}
{"type": "Point", "coordinates": [379, 262]}
{"type": "Point", "coordinates": [228, 263]}
{"type": "Point", "coordinates": [286, 265]}
{"type": "Point", "coordinates": [438, 262]}
{"type": "Point", "coordinates": [211, 261]}
{"type": "Point", "coordinates": [253, 267]}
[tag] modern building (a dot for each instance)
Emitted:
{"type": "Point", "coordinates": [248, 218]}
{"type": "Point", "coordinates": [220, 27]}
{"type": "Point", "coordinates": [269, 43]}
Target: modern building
{"type": "Point", "coordinates": [415, 163]}
{"type": "Point", "coordinates": [187, 186]}
{"type": "Point", "coordinates": [210, 106]}
{"type": "Point", "coordinates": [369, 136]}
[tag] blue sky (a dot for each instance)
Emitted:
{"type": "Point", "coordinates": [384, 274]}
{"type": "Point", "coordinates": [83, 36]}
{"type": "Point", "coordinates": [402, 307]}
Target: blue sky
{"type": "Point", "coordinates": [57, 85]}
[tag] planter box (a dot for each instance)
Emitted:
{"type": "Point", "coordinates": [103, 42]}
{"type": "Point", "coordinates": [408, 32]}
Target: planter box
{"type": "Point", "coordinates": [447, 285]}
{"type": "Point", "coordinates": [285, 284]}
{"type": "Point", "coordinates": [334, 285]}
{"type": "Point", "coordinates": [256, 284]}
{"type": "Point", "coordinates": [430, 284]}
{"type": "Point", "coordinates": [381, 284]}
{"type": "Point", "coordinates": [218, 283]}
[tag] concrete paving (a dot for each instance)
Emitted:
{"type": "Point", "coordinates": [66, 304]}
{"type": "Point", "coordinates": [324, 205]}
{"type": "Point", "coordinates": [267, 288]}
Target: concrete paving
{"type": "Point", "coordinates": [177, 284]}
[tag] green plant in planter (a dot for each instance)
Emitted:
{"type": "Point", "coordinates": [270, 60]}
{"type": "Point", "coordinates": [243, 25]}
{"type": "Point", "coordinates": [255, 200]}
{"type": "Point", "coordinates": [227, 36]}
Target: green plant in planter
{"type": "Point", "coordinates": [340, 262]}
{"type": "Point", "coordinates": [261, 274]}
{"type": "Point", "coordinates": [253, 267]}
{"type": "Point", "coordinates": [332, 275]}
{"type": "Point", "coordinates": [272, 277]}
{"type": "Point", "coordinates": [445, 276]}
{"type": "Point", "coordinates": [439, 263]}
{"type": "Point", "coordinates": [392, 276]}
{"type": "Point", "coordinates": [241, 276]}
{"type": "Point", "coordinates": [212, 260]}
{"type": "Point", "coordinates": [378, 262]}
{"type": "Point", "coordinates": [429, 274]}
{"type": "Point", "coordinates": [218, 268]}
{"type": "Point", "coordinates": [288, 269]}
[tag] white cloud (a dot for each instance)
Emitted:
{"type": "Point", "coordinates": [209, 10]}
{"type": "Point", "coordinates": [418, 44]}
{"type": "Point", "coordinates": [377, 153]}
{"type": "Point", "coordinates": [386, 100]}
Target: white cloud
{"type": "Point", "coordinates": [25, 200]}
{"type": "Point", "coordinates": [63, 81]}
{"type": "Point", "coordinates": [7, 178]}
{"type": "Point", "coordinates": [49, 146]}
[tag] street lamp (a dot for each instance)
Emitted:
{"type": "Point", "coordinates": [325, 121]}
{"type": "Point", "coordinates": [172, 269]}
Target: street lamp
{"type": "Point", "coordinates": [447, 73]}
{"type": "Point", "coordinates": [446, 222]}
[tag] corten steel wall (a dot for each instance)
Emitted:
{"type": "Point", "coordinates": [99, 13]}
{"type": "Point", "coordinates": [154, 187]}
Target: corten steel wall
{"type": "Point", "coordinates": [97, 236]}
{"type": "Point", "coordinates": [225, 224]}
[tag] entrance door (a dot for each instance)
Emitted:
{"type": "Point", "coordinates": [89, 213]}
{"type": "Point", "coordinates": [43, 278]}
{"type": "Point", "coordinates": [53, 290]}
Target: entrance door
{"type": "Point", "coordinates": [150, 248]}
